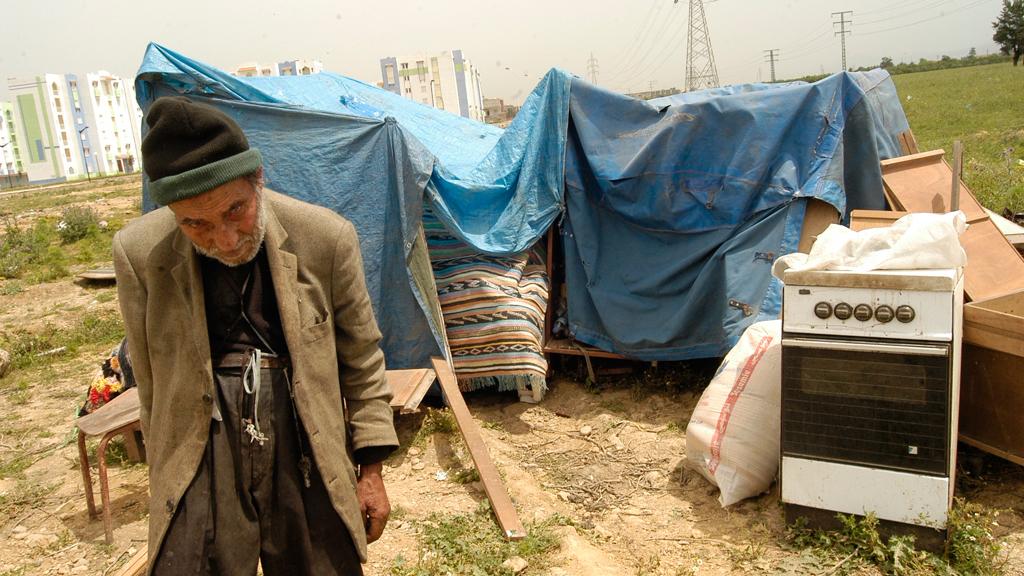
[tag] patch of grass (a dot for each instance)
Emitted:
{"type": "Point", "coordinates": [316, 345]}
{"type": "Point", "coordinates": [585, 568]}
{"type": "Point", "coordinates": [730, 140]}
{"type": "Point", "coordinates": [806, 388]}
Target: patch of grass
{"type": "Point", "coordinates": [20, 395]}
{"type": "Point", "coordinates": [22, 248]}
{"type": "Point", "coordinates": [970, 549]}
{"type": "Point", "coordinates": [24, 495]}
{"type": "Point", "coordinates": [472, 545]}
{"type": "Point", "coordinates": [464, 475]}
{"type": "Point", "coordinates": [981, 107]}
{"type": "Point", "coordinates": [92, 328]}
{"type": "Point", "coordinates": [73, 193]}
{"type": "Point", "coordinates": [10, 288]}
{"type": "Point", "coordinates": [435, 422]}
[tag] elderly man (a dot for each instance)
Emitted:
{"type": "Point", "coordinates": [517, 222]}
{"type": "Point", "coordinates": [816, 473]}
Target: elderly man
{"type": "Point", "coordinates": [264, 403]}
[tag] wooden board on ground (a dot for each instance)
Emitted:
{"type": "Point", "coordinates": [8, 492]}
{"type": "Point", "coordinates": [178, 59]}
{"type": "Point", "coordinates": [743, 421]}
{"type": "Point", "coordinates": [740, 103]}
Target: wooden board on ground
{"type": "Point", "coordinates": [501, 504]}
{"type": "Point", "coordinates": [1014, 232]}
{"type": "Point", "coordinates": [408, 387]}
{"type": "Point", "coordinates": [922, 183]}
{"type": "Point", "coordinates": [137, 564]}
{"type": "Point", "coordinates": [98, 275]}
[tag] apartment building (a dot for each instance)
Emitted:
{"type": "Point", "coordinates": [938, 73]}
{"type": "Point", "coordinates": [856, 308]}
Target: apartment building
{"type": "Point", "coordinates": [300, 67]}
{"type": "Point", "coordinates": [446, 80]}
{"type": "Point", "coordinates": [46, 128]}
{"type": "Point", "coordinates": [10, 152]}
{"type": "Point", "coordinates": [112, 141]}
{"type": "Point", "coordinates": [69, 129]}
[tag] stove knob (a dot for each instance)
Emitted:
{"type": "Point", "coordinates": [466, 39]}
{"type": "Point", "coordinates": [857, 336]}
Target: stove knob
{"type": "Point", "coordinates": [843, 311]}
{"type": "Point", "coordinates": [884, 314]}
{"type": "Point", "coordinates": [822, 310]}
{"type": "Point", "coordinates": [905, 314]}
{"type": "Point", "coordinates": [862, 312]}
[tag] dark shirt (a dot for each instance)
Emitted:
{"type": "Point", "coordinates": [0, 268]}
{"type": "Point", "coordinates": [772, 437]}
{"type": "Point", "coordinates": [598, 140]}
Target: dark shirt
{"type": "Point", "coordinates": [242, 314]}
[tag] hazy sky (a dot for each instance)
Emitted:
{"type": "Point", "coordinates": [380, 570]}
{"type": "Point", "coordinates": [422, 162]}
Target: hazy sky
{"type": "Point", "coordinates": [637, 43]}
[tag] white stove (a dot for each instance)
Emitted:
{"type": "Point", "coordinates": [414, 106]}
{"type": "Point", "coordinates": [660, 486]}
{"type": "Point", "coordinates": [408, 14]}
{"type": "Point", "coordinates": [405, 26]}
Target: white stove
{"type": "Point", "coordinates": [870, 389]}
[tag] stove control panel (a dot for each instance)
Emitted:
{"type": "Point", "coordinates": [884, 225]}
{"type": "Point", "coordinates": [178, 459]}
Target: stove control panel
{"type": "Point", "coordinates": [863, 312]}
{"type": "Point", "coordinates": [868, 312]}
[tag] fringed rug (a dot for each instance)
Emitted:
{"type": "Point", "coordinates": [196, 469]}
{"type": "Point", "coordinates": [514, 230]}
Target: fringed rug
{"type": "Point", "coordinates": [493, 313]}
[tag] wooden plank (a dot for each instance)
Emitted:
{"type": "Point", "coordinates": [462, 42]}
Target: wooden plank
{"type": "Point", "coordinates": [922, 183]}
{"type": "Point", "coordinates": [118, 412]}
{"type": "Point", "coordinates": [501, 504]}
{"type": "Point", "coordinates": [401, 383]}
{"type": "Point", "coordinates": [99, 274]}
{"type": "Point", "coordinates": [867, 219]}
{"type": "Point", "coordinates": [908, 144]}
{"type": "Point", "coordinates": [817, 218]}
{"type": "Point", "coordinates": [137, 564]}
{"type": "Point", "coordinates": [426, 379]}
{"type": "Point", "coordinates": [573, 348]}
{"type": "Point", "coordinates": [991, 401]}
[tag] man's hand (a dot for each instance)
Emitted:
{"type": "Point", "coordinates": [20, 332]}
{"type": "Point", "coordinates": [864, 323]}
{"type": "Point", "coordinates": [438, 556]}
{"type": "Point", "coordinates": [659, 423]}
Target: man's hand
{"type": "Point", "coordinates": [373, 500]}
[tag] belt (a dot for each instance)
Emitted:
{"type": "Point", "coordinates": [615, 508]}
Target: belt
{"type": "Point", "coordinates": [241, 359]}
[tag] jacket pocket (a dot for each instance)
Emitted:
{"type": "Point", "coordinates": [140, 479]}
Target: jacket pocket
{"type": "Point", "coordinates": [316, 331]}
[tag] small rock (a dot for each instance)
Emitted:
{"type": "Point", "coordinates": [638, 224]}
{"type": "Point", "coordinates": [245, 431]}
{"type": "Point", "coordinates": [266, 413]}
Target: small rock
{"type": "Point", "coordinates": [79, 569]}
{"type": "Point", "coordinates": [5, 363]}
{"type": "Point", "coordinates": [440, 475]}
{"type": "Point", "coordinates": [414, 451]}
{"type": "Point", "coordinates": [19, 529]}
{"type": "Point", "coordinates": [653, 478]}
{"type": "Point", "coordinates": [564, 495]}
{"type": "Point", "coordinates": [419, 466]}
{"type": "Point", "coordinates": [516, 564]}
{"type": "Point", "coordinates": [586, 430]}
{"type": "Point", "coordinates": [616, 443]}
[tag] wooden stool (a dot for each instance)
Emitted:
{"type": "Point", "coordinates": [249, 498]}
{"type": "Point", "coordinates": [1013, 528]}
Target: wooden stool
{"type": "Point", "coordinates": [119, 417]}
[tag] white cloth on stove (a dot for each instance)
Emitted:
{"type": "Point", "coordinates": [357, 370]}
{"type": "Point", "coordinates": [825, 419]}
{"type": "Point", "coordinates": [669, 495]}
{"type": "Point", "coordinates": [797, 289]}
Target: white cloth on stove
{"type": "Point", "coordinates": [915, 241]}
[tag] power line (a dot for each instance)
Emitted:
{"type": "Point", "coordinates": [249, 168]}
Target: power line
{"type": "Point", "coordinates": [770, 56]}
{"type": "Point", "coordinates": [917, 10]}
{"type": "Point", "coordinates": [842, 30]}
{"type": "Point", "coordinates": [639, 39]}
{"type": "Point", "coordinates": [642, 65]}
{"type": "Point", "coordinates": [922, 21]}
{"type": "Point", "coordinates": [592, 69]}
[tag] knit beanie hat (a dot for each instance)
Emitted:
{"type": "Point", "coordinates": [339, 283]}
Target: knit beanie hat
{"type": "Point", "coordinates": [192, 148]}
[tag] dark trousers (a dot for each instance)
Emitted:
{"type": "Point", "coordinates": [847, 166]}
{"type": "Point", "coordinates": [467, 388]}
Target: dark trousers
{"type": "Point", "coordinates": [248, 502]}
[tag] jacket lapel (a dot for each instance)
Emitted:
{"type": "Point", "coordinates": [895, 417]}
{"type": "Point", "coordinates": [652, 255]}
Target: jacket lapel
{"type": "Point", "coordinates": [190, 284]}
{"type": "Point", "coordinates": [284, 273]}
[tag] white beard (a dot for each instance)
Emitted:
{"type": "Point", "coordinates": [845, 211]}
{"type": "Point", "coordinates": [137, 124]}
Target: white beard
{"type": "Point", "coordinates": [249, 242]}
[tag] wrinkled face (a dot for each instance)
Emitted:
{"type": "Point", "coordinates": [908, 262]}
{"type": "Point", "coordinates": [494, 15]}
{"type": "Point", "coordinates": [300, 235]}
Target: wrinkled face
{"type": "Point", "coordinates": [226, 223]}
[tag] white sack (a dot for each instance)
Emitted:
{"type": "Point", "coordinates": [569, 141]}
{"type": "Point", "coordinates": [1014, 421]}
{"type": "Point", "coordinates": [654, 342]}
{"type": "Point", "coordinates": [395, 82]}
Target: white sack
{"type": "Point", "coordinates": [915, 241]}
{"type": "Point", "coordinates": [733, 435]}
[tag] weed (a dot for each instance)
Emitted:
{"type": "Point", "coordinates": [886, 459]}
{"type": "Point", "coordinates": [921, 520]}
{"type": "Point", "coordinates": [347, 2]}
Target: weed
{"type": "Point", "coordinates": [647, 565]}
{"type": "Point", "coordinates": [435, 422]}
{"type": "Point", "coordinates": [472, 544]}
{"type": "Point", "coordinates": [398, 512]}
{"type": "Point", "coordinates": [464, 475]}
{"type": "Point", "coordinates": [20, 395]}
{"type": "Point", "coordinates": [20, 248]}
{"type": "Point", "coordinates": [970, 547]}
{"type": "Point", "coordinates": [77, 222]}
{"type": "Point", "coordinates": [10, 287]}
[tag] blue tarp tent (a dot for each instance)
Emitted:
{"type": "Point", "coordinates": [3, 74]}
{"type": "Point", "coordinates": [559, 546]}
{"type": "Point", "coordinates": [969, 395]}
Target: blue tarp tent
{"type": "Point", "coordinates": [672, 208]}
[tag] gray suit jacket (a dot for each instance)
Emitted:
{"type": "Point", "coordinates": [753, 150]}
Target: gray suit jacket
{"type": "Point", "coordinates": [328, 324]}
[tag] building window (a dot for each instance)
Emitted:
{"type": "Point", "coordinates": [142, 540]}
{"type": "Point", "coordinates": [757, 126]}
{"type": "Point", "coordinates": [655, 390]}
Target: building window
{"type": "Point", "coordinates": [389, 74]}
{"type": "Point", "coordinates": [55, 89]}
{"type": "Point", "coordinates": [67, 154]}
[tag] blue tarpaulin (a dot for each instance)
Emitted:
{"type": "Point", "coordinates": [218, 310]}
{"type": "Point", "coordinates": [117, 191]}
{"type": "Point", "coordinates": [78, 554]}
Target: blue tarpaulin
{"type": "Point", "coordinates": [673, 208]}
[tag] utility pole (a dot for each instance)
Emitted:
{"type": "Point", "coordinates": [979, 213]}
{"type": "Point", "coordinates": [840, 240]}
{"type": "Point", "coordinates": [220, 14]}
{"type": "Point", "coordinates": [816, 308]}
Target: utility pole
{"type": "Point", "coordinates": [592, 69]}
{"type": "Point", "coordinates": [701, 72]}
{"type": "Point", "coordinates": [771, 56]}
{"type": "Point", "coordinates": [842, 29]}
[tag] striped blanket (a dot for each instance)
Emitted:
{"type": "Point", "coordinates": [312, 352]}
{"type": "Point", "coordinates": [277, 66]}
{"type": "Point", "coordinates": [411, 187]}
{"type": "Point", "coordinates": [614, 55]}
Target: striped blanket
{"type": "Point", "coordinates": [493, 312]}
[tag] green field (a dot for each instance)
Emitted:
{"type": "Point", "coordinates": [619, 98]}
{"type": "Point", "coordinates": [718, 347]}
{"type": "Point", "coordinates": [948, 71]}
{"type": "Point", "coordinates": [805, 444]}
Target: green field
{"type": "Point", "coordinates": [983, 106]}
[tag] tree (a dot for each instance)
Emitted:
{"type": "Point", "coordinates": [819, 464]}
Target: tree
{"type": "Point", "coordinates": [886, 63]}
{"type": "Point", "coordinates": [1010, 29]}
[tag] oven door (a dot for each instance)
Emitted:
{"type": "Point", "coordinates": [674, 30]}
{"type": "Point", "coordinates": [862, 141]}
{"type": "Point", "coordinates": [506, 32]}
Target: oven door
{"type": "Point", "coordinates": [879, 403]}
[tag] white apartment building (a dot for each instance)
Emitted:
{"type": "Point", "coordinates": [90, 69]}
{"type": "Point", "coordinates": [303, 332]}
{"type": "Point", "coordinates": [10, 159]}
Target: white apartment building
{"type": "Point", "coordinates": [68, 129]}
{"type": "Point", "coordinates": [113, 138]}
{"type": "Point", "coordinates": [300, 67]}
{"type": "Point", "coordinates": [46, 127]}
{"type": "Point", "coordinates": [10, 151]}
{"type": "Point", "coordinates": [446, 80]}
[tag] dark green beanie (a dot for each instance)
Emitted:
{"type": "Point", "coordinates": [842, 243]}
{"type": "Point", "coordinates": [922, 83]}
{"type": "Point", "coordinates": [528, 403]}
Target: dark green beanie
{"type": "Point", "coordinates": [191, 148]}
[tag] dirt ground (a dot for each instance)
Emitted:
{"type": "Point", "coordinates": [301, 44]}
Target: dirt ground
{"type": "Point", "coordinates": [612, 461]}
